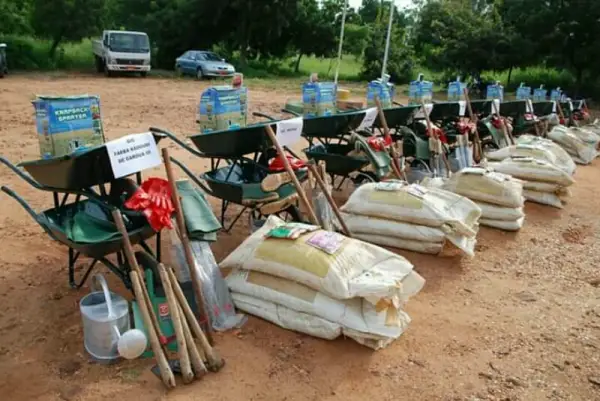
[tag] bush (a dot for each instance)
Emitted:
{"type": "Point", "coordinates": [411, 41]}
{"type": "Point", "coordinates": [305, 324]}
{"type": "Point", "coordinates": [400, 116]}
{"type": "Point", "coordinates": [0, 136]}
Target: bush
{"type": "Point", "coordinates": [28, 53]}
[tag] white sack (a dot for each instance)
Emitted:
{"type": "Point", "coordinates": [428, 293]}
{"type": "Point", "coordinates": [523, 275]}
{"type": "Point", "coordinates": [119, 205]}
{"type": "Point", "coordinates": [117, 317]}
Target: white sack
{"type": "Point", "coordinates": [503, 224]}
{"type": "Point", "coordinates": [431, 248]}
{"type": "Point", "coordinates": [533, 170]}
{"type": "Point", "coordinates": [563, 160]}
{"type": "Point", "coordinates": [543, 198]}
{"type": "Point", "coordinates": [581, 152]}
{"type": "Point", "coordinates": [494, 212]}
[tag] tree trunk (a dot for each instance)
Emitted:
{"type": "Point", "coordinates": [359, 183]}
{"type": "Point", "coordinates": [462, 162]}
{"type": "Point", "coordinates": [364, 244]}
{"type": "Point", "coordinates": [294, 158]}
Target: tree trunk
{"type": "Point", "coordinates": [297, 68]}
{"type": "Point", "coordinates": [54, 46]}
{"type": "Point", "coordinates": [510, 70]}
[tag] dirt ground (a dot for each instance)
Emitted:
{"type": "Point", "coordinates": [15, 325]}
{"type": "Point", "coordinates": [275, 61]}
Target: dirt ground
{"type": "Point", "coordinates": [520, 321]}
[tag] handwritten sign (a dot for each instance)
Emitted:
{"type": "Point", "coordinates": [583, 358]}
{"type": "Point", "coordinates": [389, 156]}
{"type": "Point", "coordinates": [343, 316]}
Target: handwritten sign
{"type": "Point", "coordinates": [462, 108]}
{"type": "Point", "coordinates": [369, 119]}
{"type": "Point", "coordinates": [289, 131]}
{"type": "Point", "coordinates": [495, 106]}
{"type": "Point", "coordinates": [132, 153]}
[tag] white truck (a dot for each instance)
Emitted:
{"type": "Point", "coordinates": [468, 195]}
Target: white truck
{"type": "Point", "coordinates": [122, 51]}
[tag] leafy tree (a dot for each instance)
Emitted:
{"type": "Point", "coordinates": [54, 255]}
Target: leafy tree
{"type": "Point", "coordinates": [355, 39]}
{"type": "Point", "coordinates": [14, 16]}
{"type": "Point", "coordinates": [313, 32]}
{"type": "Point", "coordinates": [66, 19]}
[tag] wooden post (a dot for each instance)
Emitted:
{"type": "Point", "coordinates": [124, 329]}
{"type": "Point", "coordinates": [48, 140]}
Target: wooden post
{"type": "Point", "coordinates": [477, 149]}
{"type": "Point", "coordinates": [189, 255]}
{"type": "Point", "coordinates": [280, 153]}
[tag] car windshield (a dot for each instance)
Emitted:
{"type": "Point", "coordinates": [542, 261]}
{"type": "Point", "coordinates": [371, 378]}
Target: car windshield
{"type": "Point", "coordinates": [129, 43]}
{"type": "Point", "coordinates": [211, 57]}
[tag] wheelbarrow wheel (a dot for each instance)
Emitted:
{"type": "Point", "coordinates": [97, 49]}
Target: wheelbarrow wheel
{"type": "Point", "coordinates": [363, 178]}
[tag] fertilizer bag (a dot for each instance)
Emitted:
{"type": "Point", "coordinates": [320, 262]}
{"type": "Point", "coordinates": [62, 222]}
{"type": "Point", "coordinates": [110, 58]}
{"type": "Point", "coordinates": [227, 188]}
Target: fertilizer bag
{"type": "Point", "coordinates": [522, 150]}
{"type": "Point", "coordinates": [485, 185]}
{"type": "Point", "coordinates": [563, 160]}
{"type": "Point", "coordinates": [579, 150]}
{"type": "Point", "coordinates": [533, 170]}
{"type": "Point", "coordinates": [415, 204]}
{"type": "Point", "coordinates": [355, 313]}
{"type": "Point", "coordinates": [543, 198]}
{"type": "Point", "coordinates": [495, 212]}
{"type": "Point", "coordinates": [327, 262]}
{"type": "Point", "coordinates": [505, 225]}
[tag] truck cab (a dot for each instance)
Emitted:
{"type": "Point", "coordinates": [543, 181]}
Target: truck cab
{"type": "Point", "coordinates": [122, 51]}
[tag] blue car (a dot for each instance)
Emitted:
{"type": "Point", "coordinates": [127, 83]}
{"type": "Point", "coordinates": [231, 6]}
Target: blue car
{"type": "Point", "coordinates": [203, 64]}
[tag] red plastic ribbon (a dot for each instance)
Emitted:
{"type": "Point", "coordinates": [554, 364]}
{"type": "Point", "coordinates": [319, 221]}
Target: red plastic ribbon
{"type": "Point", "coordinates": [154, 200]}
{"type": "Point", "coordinates": [276, 165]}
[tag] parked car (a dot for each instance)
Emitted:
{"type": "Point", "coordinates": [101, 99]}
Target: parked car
{"type": "Point", "coordinates": [203, 64]}
{"type": "Point", "coordinates": [122, 51]}
{"type": "Point", "coordinates": [3, 63]}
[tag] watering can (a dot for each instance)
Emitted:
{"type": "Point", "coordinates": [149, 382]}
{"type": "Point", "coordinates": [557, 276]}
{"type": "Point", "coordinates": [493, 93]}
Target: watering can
{"type": "Point", "coordinates": [106, 329]}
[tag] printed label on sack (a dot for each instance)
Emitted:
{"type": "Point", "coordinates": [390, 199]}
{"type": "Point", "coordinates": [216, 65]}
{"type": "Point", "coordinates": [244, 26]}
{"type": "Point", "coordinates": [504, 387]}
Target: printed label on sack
{"type": "Point", "coordinates": [390, 186]}
{"type": "Point", "coordinates": [326, 241]}
{"type": "Point", "coordinates": [416, 190]}
{"type": "Point", "coordinates": [369, 119]}
{"type": "Point", "coordinates": [289, 131]}
{"type": "Point", "coordinates": [163, 311]}
{"type": "Point", "coordinates": [132, 153]}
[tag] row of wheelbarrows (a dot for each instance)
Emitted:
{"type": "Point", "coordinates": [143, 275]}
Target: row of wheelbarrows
{"type": "Point", "coordinates": [417, 188]}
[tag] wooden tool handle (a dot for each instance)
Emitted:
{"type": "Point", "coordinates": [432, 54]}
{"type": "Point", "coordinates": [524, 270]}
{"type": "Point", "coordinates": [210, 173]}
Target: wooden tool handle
{"type": "Point", "coordinates": [163, 365]}
{"type": "Point", "coordinates": [478, 149]}
{"type": "Point", "coordinates": [187, 248]}
{"type": "Point", "coordinates": [329, 198]}
{"type": "Point", "coordinates": [432, 135]}
{"type": "Point", "coordinates": [507, 135]}
{"type": "Point", "coordinates": [214, 360]}
{"type": "Point", "coordinates": [281, 154]}
{"type": "Point", "coordinates": [182, 349]}
{"type": "Point", "coordinates": [118, 219]}
{"type": "Point", "coordinates": [195, 356]}
{"type": "Point", "coordinates": [386, 132]}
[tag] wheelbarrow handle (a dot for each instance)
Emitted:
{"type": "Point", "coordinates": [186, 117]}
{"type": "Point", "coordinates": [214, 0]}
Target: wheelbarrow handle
{"type": "Point", "coordinates": [21, 174]}
{"type": "Point", "coordinates": [21, 201]}
{"type": "Point", "coordinates": [177, 141]}
{"type": "Point", "coordinates": [294, 113]}
{"type": "Point", "coordinates": [263, 115]}
{"type": "Point", "coordinates": [190, 174]}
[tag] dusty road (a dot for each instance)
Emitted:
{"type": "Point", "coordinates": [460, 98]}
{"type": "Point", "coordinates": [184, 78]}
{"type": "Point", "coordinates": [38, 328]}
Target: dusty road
{"type": "Point", "coordinates": [519, 322]}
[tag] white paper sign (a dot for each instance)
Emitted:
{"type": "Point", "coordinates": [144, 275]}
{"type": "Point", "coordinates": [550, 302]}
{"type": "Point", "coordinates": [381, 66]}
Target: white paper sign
{"type": "Point", "coordinates": [570, 105]}
{"type": "Point", "coordinates": [132, 153]}
{"type": "Point", "coordinates": [495, 106]}
{"type": "Point", "coordinates": [529, 106]}
{"type": "Point", "coordinates": [369, 119]}
{"type": "Point", "coordinates": [554, 106]}
{"type": "Point", "coordinates": [428, 108]}
{"type": "Point", "coordinates": [463, 107]}
{"type": "Point", "coordinates": [289, 131]}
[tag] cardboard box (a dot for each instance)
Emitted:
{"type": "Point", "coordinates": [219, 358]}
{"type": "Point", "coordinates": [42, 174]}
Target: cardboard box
{"type": "Point", "coordinates": [556, 95]}
{"type": "Point", "coordinates": [540, 94]}
{"type": "Point", "coordinates": [456, 91]}
{"type": "Point", "coordinates": [523, 92]}
{"type": "Point", "coordinates": [495, 91]}
{"type": "Point", "coordinates": [221, 109]}
{"type": "Point", "coordinates": [319, 99]}
{"type": "Point", "coordinates": [67, 124]}
{"type": "Point", "coordinates": [383, 90]}
{"type": "Point", "coordinates": [420, 91]}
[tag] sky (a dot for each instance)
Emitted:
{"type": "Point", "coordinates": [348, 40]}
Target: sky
{"type": "Point", "coordinates": [399, 3]}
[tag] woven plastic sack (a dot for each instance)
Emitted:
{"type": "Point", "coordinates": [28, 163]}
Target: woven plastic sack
{"type": "Point", "coordinates": [305, 323]}
{"type": "Point", "coordinates": [433, 207]}
{"type": "Point", "coordinates": [544, 187]}
{"type": "Point", "coordinates": [577, 148]}
{"type": "Point", "coordinates": [485, 185]}
{"type": "Point", "coordinates": [522, 150]}
{"type": "Point", "coordinates": [355, 269]}
{"type": "Point", "coordinates": [431, 248]}
{"type": "Point", "coordinates": [515, 225]}
{"type": "Point", "coordinates": [587, 135]}
{"type": "Point", "coordinates": [544, 198]}
{"type": "Point", "coordinates": [533, 170]}
{"type": "Point", "coordinates": [354, 313]}
{"type": "Point", "coordinates": [563, 160]}
{"type": "Point", "coordinates": [405, 235]}
{"type": "Point", "coordinates": [494, 212]}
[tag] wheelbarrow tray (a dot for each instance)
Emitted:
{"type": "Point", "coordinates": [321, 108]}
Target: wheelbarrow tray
{"type": "Point", "coordinates": [54, 221]}
{"type": "Point", "coordinates": [443, 110]}
{"type": "Point", "coordinates": [76, 171]}
{"type": "Point", "coordinates": [234, 143]}
{"type": "Point", "coordinates": [336, 158]}
{"type": "Point", "coordinates": [397, 116]}
{"type": "Point", "coordinates": [241, 184]}
{"type": "Point", "coordinates": [513, 108]}
{"type": "Point", "coordinates": [543, 108]}
{"type": "Point", "coordinates": [482, 106]}
{"type": "Point", "coordinates": [333, 126]}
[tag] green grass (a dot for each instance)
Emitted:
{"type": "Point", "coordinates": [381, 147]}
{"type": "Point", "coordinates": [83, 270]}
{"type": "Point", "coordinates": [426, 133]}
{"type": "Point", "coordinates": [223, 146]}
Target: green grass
{"type": "Point", "coordinates": [350, 67]}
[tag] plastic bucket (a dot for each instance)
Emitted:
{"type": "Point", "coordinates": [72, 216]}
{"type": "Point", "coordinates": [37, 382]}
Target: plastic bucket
{"type": "Point", "coordinates": [105, 315]}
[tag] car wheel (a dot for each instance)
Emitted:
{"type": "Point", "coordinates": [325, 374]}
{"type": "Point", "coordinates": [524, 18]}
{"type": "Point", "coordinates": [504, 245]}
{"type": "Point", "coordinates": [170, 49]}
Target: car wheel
{"type": "Point", "coordinates": [199, 74]}
{"type": "Point", "coordinates": [107, 72]}
{"type": "Point", "coordinates": [178, 71]}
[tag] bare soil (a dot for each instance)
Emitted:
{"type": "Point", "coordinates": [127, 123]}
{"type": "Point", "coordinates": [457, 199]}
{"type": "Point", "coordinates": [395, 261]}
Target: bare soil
{"type": "Point", "coordinates": [520, 321]}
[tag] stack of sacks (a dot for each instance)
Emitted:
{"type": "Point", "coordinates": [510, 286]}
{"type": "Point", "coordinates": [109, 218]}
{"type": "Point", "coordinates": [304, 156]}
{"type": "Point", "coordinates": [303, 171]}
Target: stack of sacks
{"type": "Point", "coordinates": [412, 217]}
{"type": "Point", "coordinates": [544, 182]}
{"type": "Point", "coordinates": [587, 134]}
{"type": "Point", "coordinates": [562, 159]}
{"type": "Point", "coordinates": [580, 151]}
{"type": "Point", "coordinates": [322, 284]}
{"type": "Point", "coordinates": [499, 196]}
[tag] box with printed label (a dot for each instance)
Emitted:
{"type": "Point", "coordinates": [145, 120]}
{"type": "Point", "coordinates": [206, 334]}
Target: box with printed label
{"type": "Point", "coordinates": [540, 95]}
{"type": "Point", "coordinates": [319, 99]}
{"type": "Point", "coordinates": [221, 109]}
{"type": "Point", "coordinates": [420, 91]}
{"type": "Point", "coordinates": [383, 90]}
{"type": "Point", "coordinates": [556, 95]}
{"type": "Point", "coordinates": [523, 92]}
{"type": "Point", "coordinates": [456, 91]}
{"type": "Point", "coordinates": [67, 124]}
{"type": "Point", "coordinates": [495, 91]}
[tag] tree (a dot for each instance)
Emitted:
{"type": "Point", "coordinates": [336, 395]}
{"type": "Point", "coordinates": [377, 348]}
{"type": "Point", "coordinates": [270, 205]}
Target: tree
{"type": "Point", "coordinates": [66, 19]}
{"type": "Point", "coordinates": [14, 17]}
